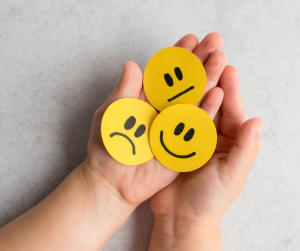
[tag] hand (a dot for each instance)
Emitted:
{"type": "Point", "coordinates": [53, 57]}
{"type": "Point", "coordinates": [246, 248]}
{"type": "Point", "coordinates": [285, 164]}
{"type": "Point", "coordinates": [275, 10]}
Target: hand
{"type": "Point", "coordinates": [195, 202]}
{"type": "Point", "coordinates": [98, 197]}
{"type": "Point", "coordinates": [134, 184]}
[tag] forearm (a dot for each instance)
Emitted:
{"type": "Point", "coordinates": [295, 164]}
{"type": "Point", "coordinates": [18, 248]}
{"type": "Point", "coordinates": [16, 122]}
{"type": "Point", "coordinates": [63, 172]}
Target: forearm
{"type": "Point", "coordinates": [71, 218]}
{"type": "Point", "coordinates": [177, 234]}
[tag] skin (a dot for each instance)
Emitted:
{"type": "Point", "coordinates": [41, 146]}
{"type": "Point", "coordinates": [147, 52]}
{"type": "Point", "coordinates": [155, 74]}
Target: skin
{"type": "Point", "coordinates": [96, 199]}
{"type": "Point", "coordinates": [188, 212]}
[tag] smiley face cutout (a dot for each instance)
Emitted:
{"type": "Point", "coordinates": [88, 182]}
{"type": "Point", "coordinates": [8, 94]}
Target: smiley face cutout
{"type": "Point", "coordinates": [174, 76]}
{"type": "Point", "coordinates": [125, 130]}
{"type": "Point", "coordinates": [183, 137]}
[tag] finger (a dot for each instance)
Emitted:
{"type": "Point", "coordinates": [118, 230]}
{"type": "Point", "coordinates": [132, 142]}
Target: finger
{"type": "Point", "coordinates": [224, 144]}
{"type": "Point", "coordinates": [212, 42]}
{"type": "Point", "coordinates": [189, 42]}
{"type": "Point", "coordinates": [232, 109]}
{"type": "Point", "coordinates": [130, 83]}
{"type": "Point", "coordinates": [214, 67]}
{"type": "Point", "coordinates": [129, 86]}
{"type": "Point", "coordinates": [242, 156]}
{"type": "Point", "coordinates": [212, 102]}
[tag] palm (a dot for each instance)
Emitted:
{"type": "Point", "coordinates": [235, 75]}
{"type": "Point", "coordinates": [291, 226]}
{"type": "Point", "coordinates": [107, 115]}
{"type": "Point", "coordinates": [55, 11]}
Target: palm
{"type": "Point", "coordinates": [194, 193]}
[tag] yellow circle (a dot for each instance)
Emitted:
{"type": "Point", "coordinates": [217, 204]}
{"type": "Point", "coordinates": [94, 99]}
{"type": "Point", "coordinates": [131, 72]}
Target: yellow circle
{"type": "Point", "coordinates": [174, 76]}
{"type": "Point", "coordinates": [183, 137]}
{"type": "Point", "coordinates": [125, 130]}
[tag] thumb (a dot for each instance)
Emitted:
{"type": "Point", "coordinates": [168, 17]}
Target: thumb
{"type": "Point", "coordinates": [129, 86]}
{"type": "Point", "coordinates": [242, 156]}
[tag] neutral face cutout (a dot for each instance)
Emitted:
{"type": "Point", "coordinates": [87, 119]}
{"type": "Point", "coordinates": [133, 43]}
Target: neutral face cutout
{"type": "Point", "coordinates": [174, 76]}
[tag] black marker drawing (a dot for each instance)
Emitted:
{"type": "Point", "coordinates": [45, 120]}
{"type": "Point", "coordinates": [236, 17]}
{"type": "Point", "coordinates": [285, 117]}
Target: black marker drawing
{"type": "Point", "coordinates": [129, 124]}
{"type": "Point", "coordinates": [181, 93]}
{"type": "Point", "coordinates": [173, 154]}
{"type": "Point", "coordinates": [189, 135]}
{"type": "Point", "coordinates": [178, 73]}
{"type": "Point", "coordinates": [140, 131]}
{"type": "Point", "coordinates": [126, 137]}
{"type": "Point", "coordinates": [179, 128]}
{"type": "Point", "coordinates": [169, 79]}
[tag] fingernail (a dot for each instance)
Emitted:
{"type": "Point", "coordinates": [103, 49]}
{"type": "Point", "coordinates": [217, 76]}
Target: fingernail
{"type": "Point", "coordinates": [257, 129]}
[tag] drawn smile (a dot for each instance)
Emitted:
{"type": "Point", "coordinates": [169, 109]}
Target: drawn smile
{"type": "Point", "coordinates": [181, 93]}
{"type": "Point", "coordinates": [126, 137]}
{"type": "Point", "coordinates": [173, 154]}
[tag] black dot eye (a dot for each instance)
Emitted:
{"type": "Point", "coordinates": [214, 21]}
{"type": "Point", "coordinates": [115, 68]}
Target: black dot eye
{"type": "Point", "coordinates": [178, 73]}
{"type": "Point", "coordinates": [189, 135]}
{"type": "Point", "coordinates": [179, 128]}
{"type": "Point", "coordinates": [140, 131]}
{"type": "Point", "coordinates": [169, 79]}
{"type": "Point", "coordinates": [129, 123]}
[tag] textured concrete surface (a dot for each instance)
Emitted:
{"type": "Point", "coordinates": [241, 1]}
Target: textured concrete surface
{"type": "Point", "coordinates": [60, 59]}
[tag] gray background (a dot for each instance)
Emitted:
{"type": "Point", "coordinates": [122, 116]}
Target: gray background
{"type": "Point", "coordinates": [59, 60]}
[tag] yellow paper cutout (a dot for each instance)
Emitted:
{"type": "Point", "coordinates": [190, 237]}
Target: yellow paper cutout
{"type": "Point", "coordinates": [183, 137]}
{"type": "Point", "coordinates": [125, 130]}
{"type": "Point", "coordinates": [174, 76]}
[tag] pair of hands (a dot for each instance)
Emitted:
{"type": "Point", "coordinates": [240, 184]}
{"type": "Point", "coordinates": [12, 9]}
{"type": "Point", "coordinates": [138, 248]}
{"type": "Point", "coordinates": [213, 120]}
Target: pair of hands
{"type": "Point", "coordinates": [197, 197]}
{"type": "Point", "coordinates": [97, 198]}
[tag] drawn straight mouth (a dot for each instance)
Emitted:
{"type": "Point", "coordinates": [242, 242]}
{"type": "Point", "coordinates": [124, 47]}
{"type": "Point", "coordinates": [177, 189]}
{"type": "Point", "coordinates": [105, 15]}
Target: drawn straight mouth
{"type": "Point", "coordinates": [181, 93]}
{"type": "Point", "coordinates": [126, 137]}
{"type": "Point", "coordinates": [173, 154]}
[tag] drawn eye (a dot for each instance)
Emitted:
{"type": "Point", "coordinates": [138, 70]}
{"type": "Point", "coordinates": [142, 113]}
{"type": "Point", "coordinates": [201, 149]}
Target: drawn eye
{"type": "Point", "coordinates": [179, 128]}
{"type": "Point", "coordinates": [129, 123]}
{"type": "Point", "coordinates": [168, 79]}
{"type": "Point", "coordinates": [178, 73]}
{"type": "Point", "coordinates": [189, 135]}
{"type": "Point", "coordinates": [140, 131]}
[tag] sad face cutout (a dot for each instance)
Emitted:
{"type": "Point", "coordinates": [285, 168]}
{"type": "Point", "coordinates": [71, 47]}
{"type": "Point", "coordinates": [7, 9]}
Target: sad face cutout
{"type": "Point", "coordinates": [125, 130]}
{"type": "Point", "coordinates": [183, 137]}
{"type": "Point", "coordinates": [174, 76]}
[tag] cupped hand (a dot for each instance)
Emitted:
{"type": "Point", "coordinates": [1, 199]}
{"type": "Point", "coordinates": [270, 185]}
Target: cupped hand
{"type": "Point", "coordinates": [135, 184]}
{"type": "Point", "coordinates": [202, 196]}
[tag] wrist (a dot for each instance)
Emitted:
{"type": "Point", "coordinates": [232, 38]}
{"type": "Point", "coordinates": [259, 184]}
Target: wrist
{"type": "Point", "coordinates": [86, 214]}
{"type": "Point", "coordinates": [175, 233]}
{"type": "Point", "coordinates": [107, 209]}
{"type": "Point", "coordinates": [105, 197]}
